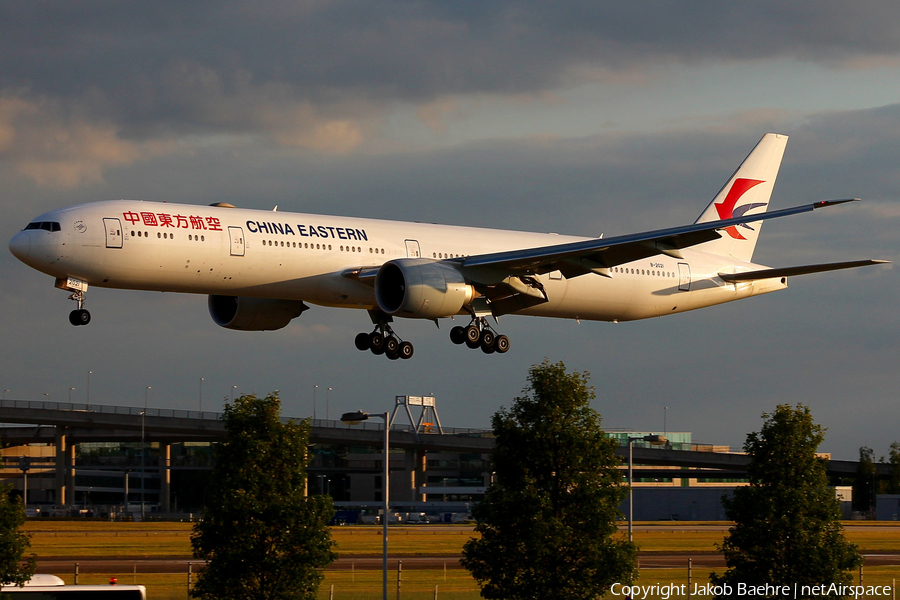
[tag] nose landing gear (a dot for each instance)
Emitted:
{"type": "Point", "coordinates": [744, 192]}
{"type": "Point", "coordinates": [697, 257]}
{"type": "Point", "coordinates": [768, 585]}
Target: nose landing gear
{"type": "Point", "coordinates": [79, 316]}
{"type": "Point", "coordinates": [480, 335]}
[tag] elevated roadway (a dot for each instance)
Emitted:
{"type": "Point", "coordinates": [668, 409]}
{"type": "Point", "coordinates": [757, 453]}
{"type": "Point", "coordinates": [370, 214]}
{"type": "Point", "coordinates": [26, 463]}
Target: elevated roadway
{"type": "Point", "coordinates": [89, 423]}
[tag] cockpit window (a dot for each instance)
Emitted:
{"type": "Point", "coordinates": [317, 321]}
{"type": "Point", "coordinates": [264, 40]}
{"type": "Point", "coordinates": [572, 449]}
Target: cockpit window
{"type": "Point", "coordinates": [45, 225]}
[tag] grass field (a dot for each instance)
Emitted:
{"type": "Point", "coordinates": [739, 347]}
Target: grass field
{"type": "Point", "coordinates": [86, 539]}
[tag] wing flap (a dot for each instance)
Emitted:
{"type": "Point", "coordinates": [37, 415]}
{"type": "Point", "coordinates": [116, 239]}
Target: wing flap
{"type": "Point", "coordinates": [801, 270]}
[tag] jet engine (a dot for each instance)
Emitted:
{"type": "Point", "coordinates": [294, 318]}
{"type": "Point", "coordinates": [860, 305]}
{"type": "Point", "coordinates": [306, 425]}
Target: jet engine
{"type": "Point", "coordinates": [253, 314]}
{"type": "Point", "coordinates": [421, 289]}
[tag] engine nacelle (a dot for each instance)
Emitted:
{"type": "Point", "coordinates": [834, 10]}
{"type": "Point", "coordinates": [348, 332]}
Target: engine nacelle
{"type": "Point", "coordinates": [421, 289]}
{"type": "Point", "coordinates": [253, 314]}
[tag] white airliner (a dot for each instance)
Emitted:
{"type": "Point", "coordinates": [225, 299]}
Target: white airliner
{"type": "Point", "coordinates": [260, 268]}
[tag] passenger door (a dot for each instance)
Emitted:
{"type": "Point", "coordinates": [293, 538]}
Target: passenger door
{"type": "Point", "coordinates": [237, 240]}
{"type": "Point", "coordinates": [113, 232]}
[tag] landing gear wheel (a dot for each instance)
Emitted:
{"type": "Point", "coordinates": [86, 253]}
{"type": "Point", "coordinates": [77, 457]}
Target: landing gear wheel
{"type": "Point", "coordinates": [79, 317]}
{"type": "Point", "coordinates": [405, 350]}
{"type": "Point", "coordinates": [376, 343]}
{"type": "Point", "coordinates": [391, 346]}
{"type": "Point", "coordinates": [392, 355]}
{"type": "Point", "coordinates": [501, 344]}
{"type": "Point", "coordinates": [458, 335]}
{"type": "Point", "coordinates": [487, 339]}
{"type": "Point", "coordinates": [473, 336]}
{"type": "Point", "coordinates": [362, 342]}
{"type": "Point", "coordinates": [488, 349]}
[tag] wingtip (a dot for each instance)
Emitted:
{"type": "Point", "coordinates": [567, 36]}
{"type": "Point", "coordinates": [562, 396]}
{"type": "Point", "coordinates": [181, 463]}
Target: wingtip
{"type": "Point", "coordinates": [824, 203]}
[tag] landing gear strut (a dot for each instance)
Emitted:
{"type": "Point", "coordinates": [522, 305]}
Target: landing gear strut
{"type": "Point", "coordinates": [384, 341]}
{"type": "Point", "coordinates": [480, 335]}
{"type": "Point", "coordinates": [79, 316]}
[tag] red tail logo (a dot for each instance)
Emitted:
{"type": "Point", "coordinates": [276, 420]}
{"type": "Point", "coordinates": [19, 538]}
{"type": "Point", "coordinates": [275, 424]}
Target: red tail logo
{"type": "Point", "coordinates": [727, 209]}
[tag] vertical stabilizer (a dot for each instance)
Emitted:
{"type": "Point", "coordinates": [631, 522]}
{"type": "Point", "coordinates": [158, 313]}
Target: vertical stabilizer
{"type": "Point", "coordinates": [746, 192]}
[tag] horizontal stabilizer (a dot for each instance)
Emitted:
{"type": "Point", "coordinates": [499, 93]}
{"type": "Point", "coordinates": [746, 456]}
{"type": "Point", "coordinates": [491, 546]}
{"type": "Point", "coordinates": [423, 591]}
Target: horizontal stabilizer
{"type": "Point", "coordinates": [803, 270]}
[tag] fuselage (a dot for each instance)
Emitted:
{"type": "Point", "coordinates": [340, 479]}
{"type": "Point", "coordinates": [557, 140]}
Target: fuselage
{"type": "Point", "coordinates": [217, 250]}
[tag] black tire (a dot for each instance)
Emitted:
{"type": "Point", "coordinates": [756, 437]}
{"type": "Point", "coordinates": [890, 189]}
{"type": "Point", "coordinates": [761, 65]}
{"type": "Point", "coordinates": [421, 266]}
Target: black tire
{"type": "Point", "coordinates": [391, 345]}
{"type": "Point", "coordinates": [392, 355]}
{"type": "Point", "coordinates": [406, 350]}
{"type": "Point", "coordinates": [458, 335]}
{"type": "Point", "coordinates": [488, 349]}
{"type": "Point", "coordinates": [79, 317]}
{"type": "Point", "coordinates": [362, 342]}
{"type": "Point", "coordinates": [473, 337]}
{"type": "Point", "coordinates": [501, 344]}
{"type": "Point", "coordinates": [376, 343]}
{"type": "Point", "coordinates": [487, 339]}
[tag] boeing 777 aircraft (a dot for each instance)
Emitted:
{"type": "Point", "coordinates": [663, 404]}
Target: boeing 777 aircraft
{"type": "Point", "coordinates": [261, 268]}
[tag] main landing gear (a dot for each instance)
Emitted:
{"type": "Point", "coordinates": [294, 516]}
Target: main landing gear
{"type": "Point", "coordinates": [79, 316]}
{"type": "Point", "coordinates": [384, 341]}
{"type": "Point", "coordinates": [480, 335]}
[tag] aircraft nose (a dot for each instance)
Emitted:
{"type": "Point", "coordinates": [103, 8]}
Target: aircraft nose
{"type": "Point", "coordinates": [20, 245]}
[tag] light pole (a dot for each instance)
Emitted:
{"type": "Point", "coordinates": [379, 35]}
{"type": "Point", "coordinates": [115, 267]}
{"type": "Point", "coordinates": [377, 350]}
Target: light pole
{"type": "Point", "coordinates": [355, 418]}
{"type": "Point", "coordinates": [89, 390]}
{"type": "Point", "coordinates": [656, 440]}
{"type": "Point", "coordinates": [327, 401]}
{"type": "Point", "coordinates": [143, 452]}
{"type": "Point", "coordinates": [234, 387]}
{"type": "Point", "coordinates": [315, 389]}
{"type": "Point", "coordinates": [5, 392]}
{"type": "Point", "coordinates": [201, 397]}
{"type": "Point", "coordinates": [71, 389]}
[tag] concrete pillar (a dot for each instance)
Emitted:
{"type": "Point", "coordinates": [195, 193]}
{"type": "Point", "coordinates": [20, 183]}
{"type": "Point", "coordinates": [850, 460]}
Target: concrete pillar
{"type": "Point", "coordinates": [60, 480]}
{"type": "Point", "coordinates": [409, 470]}
{"type": "Point", "coordinates": [421, 477]}
{"type": "Point", "coordinates": [70, 473]}
{"type": "Point", "coordinates": [165, 476]}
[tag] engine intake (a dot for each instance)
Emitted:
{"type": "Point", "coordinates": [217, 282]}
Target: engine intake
{"type": "Point", "coordinates": [253, 314]}
{"type": "Point", "coordinates": [421, 289]}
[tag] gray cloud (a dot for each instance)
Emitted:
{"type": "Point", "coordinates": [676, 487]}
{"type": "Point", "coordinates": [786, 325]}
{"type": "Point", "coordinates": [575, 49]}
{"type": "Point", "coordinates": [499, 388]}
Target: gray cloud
{"type": "Point", "coordinates": [212, 66]}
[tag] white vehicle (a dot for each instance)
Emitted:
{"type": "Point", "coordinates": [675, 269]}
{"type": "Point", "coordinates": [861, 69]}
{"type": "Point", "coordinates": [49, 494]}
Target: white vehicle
{"type": "Point", "coordinates": [261, 268]}
{"type": "Point", "coordinates": [51, 587]}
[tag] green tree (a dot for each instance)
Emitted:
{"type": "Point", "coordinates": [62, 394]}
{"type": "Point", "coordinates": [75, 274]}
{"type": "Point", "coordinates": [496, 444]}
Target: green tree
{"type": "Point", "coordinates": [864, 482]}
{"type": "Point", "coordinates": [787, 526]}
{"type": "Point", "coordinates": [263, 537]}
{"type": "Point", "coordinates": [14, 568]}
{"type": "Point", "coordinates": [548, 520]}
{"type": "Point", "coordinates": [893, 483]}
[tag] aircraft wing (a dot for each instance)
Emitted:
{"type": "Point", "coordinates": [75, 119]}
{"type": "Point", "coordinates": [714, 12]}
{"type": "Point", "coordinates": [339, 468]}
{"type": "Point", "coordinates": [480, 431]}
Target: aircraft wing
{"type": "Point", "coordinates": [598, 255]}
{"type": "Point", "coordinates": [802, 270]}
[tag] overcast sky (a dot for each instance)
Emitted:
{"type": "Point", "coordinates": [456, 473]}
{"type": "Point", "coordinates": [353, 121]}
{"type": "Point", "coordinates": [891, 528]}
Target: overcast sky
{"type": "Point", "coordinates": [575, 117]}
